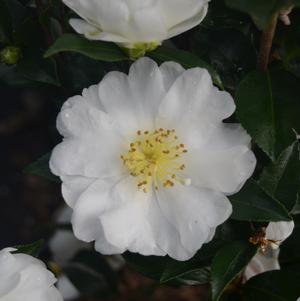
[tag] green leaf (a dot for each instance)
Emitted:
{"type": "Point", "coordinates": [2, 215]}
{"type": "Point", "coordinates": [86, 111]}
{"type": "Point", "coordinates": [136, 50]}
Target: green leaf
{"type": "Point", "coordinates": [260, 11]}
{"type": "Point", "coordinates": [5, 23]}
{"type": "Point", "coordinates": [198, 276]}
{"type": "Point", "coordinates": [228, 264]}
{"type": "Point", "coordinates": [39, 70]}
{"type": "Point", "coordinates": [274, 285]}
{"type": "Point", "coordinates": [41, 168]}
{"type": "Point", "coordinates": [30, 249]}
{"type": "Point", "coordinates": [281, 178]}
{"type": "Point", "coordinates": [98, 50]}
{"type": "Point", "coordinates": [268, 108]}
{"type": "Point", "coordinates": [186, 59]}
{"type": "Point", "coordinates": [253, 204]}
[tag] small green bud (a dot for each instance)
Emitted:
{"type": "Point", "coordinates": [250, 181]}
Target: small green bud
{"type": "Point", "coordinates": [139, 49]}
{"type": "Point", "coordinates": [10, 55]}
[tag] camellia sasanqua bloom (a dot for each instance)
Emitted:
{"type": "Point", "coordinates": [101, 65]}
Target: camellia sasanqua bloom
{"type": "Point", "coordinates": [23, 277]}
{"type": "Point", "coordinates": [136, 25]}
{"type": "Point", "coordinates": [147, 162]}
{"type": "Point", "coordinates": [267, 260]}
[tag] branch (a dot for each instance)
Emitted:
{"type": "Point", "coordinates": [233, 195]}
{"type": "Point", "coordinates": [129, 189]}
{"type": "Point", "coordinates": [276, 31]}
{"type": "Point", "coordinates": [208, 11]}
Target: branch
{"type": "Point", "coordinates": [266, 44]}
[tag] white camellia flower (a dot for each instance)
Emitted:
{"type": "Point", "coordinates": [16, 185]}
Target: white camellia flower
{"type": "Point", "coordinates": [276, 233]}
{"type": "Point", "coordinates": [146, 161]}
{"type": "Point", "coordinates": [136, 24]}
{"type": "Point", "coordinates": [23, 277]}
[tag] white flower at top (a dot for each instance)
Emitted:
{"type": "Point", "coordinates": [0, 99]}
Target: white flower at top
{"type": "Point", "coordinates": [23, 277]}
{"type": "Point", "coordinates": [276, 234]}
{"type": "Point", "coordinates": [146, 161]}
{"type": "Point", "coordinates": [135, 24]}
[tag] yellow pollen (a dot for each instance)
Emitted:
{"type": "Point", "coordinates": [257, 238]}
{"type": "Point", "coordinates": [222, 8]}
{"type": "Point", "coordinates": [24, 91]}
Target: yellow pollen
{"type": "Point", "coordinates": [156, 160]}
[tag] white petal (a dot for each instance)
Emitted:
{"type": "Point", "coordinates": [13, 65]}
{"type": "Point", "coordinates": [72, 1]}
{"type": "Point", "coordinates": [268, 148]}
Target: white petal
{"type": "Point", "coordinates": [177, 11]}
{"type": "Point", "coordinates": [73, 186]}
{"type": "Point", "coordinates": [224, 170]}
{"type": "Point", "coordinates": [148, 26]}
{"type": "Point", "coordinates": [194, 103]}
{"type": "Point", "coordinates": [93, 202]}
{"type": "Point", "coordinates": [126, 224]}
{"type": "Point", "coordinates": [103, 14]}
{"type": "Point", "coordinates": [92, 144]}
{"type": "Point", "coordinates": [93, 33]}
{"type": "Point", "coordinates": [133, 100]}
{"type": "Point", "coordinates": [82, 115]}
{"type": "Point", "coordinates": [261, 263]}
{"type": "Point", "coordinates": [193, 213]}
{"type": "Point", "coordinates": [170, 72]}
{"type": "Point", "coordinates": [87, 157]}
{"type": "Point", "coordinates": [84, 27]}
{"type": "Point", "coordinates": [188, 23]}
{"type": "Point", "coordinates": [279, 231]}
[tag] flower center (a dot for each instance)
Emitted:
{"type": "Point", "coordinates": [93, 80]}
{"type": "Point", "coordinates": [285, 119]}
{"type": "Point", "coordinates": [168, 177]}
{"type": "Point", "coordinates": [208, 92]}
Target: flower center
{"type": "Point", "coordinates": [156, 159]}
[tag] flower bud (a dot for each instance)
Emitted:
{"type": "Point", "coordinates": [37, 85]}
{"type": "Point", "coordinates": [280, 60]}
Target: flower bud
{"type": "Point", "coordinates": [10, 55]}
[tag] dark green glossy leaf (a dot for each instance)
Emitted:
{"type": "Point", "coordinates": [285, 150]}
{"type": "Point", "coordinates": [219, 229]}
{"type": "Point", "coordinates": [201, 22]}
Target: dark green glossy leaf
{"type": "Point", "coordinates": [268, 107]}
{"type": "Point", "coordinates": [275, 285]}
{"type": "Point", "coordinates": [31, 249]}
{"type": "Point", "coordinates": [97, 262]}
{"type": "Point", "coordinates": [193, 277]}
{"type": "Point", "coordinates": [41, 168]}
{"type": "Point", "coordinates": [39, 70]}
{"type": "Point", "coordinates": [253, 204]}
{"type": "Point", "coordinates": [281, 178]}
{"type": "Point", "coordinates": [186, 59]}
{"type": "Point", "coordinates": [97, 50]}
{"type": "Point", "coordinates": [228, 264]}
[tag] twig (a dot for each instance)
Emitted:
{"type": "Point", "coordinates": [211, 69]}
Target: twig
{"type": "Point", "coordinates": [40, 11]}
{"type": "Point", "coordinates": [266, 44]}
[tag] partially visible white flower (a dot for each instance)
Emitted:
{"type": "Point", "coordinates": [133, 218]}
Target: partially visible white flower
{"type": "Point", "coordinates": [147, 162]}
{"type": "Point", "coordinates": [276, 233]}
{"type": "Point", "coordinates": [136, 24]}
{"type": "Point", "coordinates": [23, 277]}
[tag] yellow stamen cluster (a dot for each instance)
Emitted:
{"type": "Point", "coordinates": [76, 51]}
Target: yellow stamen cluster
{"type": "Point", "coordinates": [155, 158]}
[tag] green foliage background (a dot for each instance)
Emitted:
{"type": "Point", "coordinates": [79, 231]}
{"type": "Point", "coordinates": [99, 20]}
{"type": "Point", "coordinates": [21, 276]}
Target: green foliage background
{"type": "Point", "coordinates": [39, 50]}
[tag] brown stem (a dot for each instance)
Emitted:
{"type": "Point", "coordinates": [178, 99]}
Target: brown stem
{"type": "Point", "coordinates": [40, 11]}
{"type": "Point", "coordinates": [266, 44]}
